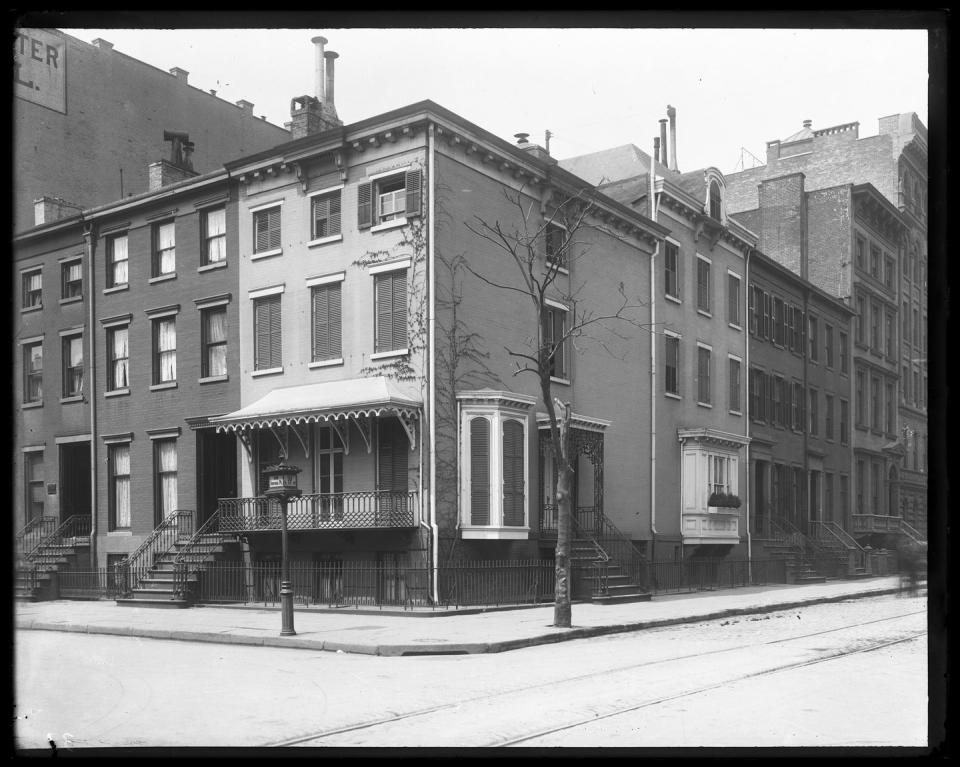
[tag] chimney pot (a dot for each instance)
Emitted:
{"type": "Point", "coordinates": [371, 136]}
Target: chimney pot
{"type": "Point", "coordinates": [521, 138]}
{"type": "Point", "coordinates": [807, 123]}
{"type": "Point", "coordinates": [672, 114]}
{"type": "Point", "coordinates": [213, 92]}
{"type": "Point", "coordinates": [328, 68]}
{"type": "Point", "coordinates": [318, 71]}
{"type": "Point", "coordinates": [656, 148]}
{"type": "Point", "coordinates": [103, 45]}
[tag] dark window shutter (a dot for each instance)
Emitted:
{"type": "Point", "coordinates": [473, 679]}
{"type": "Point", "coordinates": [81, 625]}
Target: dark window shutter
{"type": "Point", "coordinates": [334, 321]}
{"type": "Point", "coordinates": [479, 471]}
{"type": "Point", "coordinates": [384, 311]}
{"type": "Point", "coordinates": [413, 193]}
{"type": "Point", "coordinates": [399, 320]}
{"type": "Point", "coordinates": [334, 225]}
{"type": "Point", "coordinates": [751, 309]}
{"type": "Point", "coordinates": [364, 205]}
{"type": "Point", "coordinates": [321, 324]}
{"type": "Point", "coordinates": [267, 351]}
{"type": "Point", "coordinates": [266, 230]}
{"type": "Point", "coordinates": [513, 474]}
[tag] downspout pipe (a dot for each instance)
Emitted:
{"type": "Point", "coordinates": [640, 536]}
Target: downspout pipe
{"type": "Point", "coordinates": [746, 412]}
{"type": "Point", "coordinates": [431, 357]}
{"type": "Point", "coordinates": [90, 235]}
{"type": "Point", "coordinates": [653, 370]}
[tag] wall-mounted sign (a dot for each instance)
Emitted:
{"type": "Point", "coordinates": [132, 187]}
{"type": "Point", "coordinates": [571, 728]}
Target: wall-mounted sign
{"type": "Point", "coordinates": [40, 68]}
{"type": "Point", "coordinates": [51, 488]}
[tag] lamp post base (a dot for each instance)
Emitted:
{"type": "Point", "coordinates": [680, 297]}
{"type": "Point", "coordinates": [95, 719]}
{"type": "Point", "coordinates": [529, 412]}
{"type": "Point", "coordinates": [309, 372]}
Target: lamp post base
{"type": "Point", "coordinates": [286, 609]}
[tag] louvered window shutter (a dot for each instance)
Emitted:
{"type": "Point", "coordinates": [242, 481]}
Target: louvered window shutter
{"type": "Point", "coordinates": [364, 205]}
{"type": "Point", "coordinates": [399, 320]}
{"type": "Point", "coordinates": [267, 332]}
{"type": "Point", "coordinates": [413, 193]}
{"type": "Point", "coordinates": [479, 471]}
{"type": "Point", "coordinates": [321, 324]}
{"type": "Point", "coordinates": [513, 489]}
{"type": "Point", "coordinates": [384, 310]}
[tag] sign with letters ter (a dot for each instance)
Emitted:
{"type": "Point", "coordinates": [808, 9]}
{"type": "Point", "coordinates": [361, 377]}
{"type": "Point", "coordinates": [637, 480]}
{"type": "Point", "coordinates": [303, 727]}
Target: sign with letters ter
{"type": "Point", "coordinates": [40, 68]}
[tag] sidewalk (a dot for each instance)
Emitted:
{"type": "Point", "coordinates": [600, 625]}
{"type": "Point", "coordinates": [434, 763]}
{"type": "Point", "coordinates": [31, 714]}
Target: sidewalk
{"type": "Point", "coordinates": [393, 634]}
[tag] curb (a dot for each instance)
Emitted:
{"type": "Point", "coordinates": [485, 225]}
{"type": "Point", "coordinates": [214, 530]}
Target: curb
{"type": "Point", "coordinates": [451, 648]}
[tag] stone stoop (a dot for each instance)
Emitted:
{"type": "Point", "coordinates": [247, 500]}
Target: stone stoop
{"type": "Point", "coordinates": [620, 588]}
{"type": "Point", "coordinates": [158, 588]}
{"type": "Point", "coordinates": [48, 561]}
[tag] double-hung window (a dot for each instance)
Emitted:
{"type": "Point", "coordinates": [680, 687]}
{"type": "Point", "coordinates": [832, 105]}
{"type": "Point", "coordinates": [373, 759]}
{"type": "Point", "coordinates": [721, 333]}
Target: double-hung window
{"type": "Point", "coordinates": [814, 339]}
{"type": "Point", "coordinates": [861, 318]}
{"type": "Point", "coordinates": [33, 372]}
{"type": "Point", "coordinates": [703, 374]}
{"type": "Point", "coordinates": [71, 279]}
{"type": "Point", "coordinates": [326, 321]}
{"type": "Point", "coordinates": [32, 289]}
{"type": "Point", "coordinates": [860, 393]}
{"type": "Point", "coordinates": [671, 378]}
{"type": "Point", "coordinates": [875, 318]}
{"type": "Point", "coordinates": [828, 416]}
{"type": "Point", "coordinates": [165, 478]}
{"type": "Point", "coordinates": [555, 342]}
{"type": "Point", "coordinates": [164, 350]}
{"type": "Point", "coordinates": [844, 351]}
{"type": "Point", "coordinates": [390, 307]}
{"type": "Point", "coordinates": [555, 246]}
{"type": "Point", "coordinates": [267, 339]}
{"type": "Point", "coordinates": [72, 351]}
{"type": "Point", "coordinates": [875, 262]}
{"type": "Point", "coordinates": [828, 344]}
{"type": "Point", "coordinates": [733, 299]}
{"type": "Point", "coordinates": [266, 230]}
{"type": "Point", "coordinates": [214, 238]}
{"type": "Point", "coordinates": [118, 485]}
{"type": "Point", "coordinates": [116, 249]}
{"type": "Point", "coordinates": [164, 249]}
{"type": "Point", "coordinates": [118, 356]}
{"type": "Point", "coordinates": [875, 403]}
{"type": "Point", "coordinates": [778, 323]}
{"type": "Point", "coordinates": [798, 406]}
{"type": "Point", "coordinates": [671, 269]}
{"type": "Point", "coordinates": [394, 197]}
{"type": "Point", "coordinates": [325, 215]}
{"type": "Point", "coordinates": [891, 408]}
{"type": "Point", "coordinates": [213, 340]}
{"type": "Point", "coordinates": [703, 284]}
{"type": "Point", "coordinates": [33, 481]}
{"type": "Point", "coordinates": [734, 373]}
{"type": "Point", "coordinates": [814, 411]}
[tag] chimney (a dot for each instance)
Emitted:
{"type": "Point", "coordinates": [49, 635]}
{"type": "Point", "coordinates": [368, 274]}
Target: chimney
{"type": "Point", "coordinates": [329, 57]}
{"type": "Point", "coordinates": [521, 139]}
{"type": "Point", "coordinates": [318, 78]}
{"type": "Point", "coordinates": [246, 106]}
{"type": "Point", "coordinates": [807, 123]}
{"type": "Point", "coordinates": [180, 74]}
{"type": "Point", "coordinates": [178, 168]}
{"type": "Point", "coordinates": [656, 151]}
{"type": "Point", "coordinates": [49, 209]}
{"type": "Point", "coordinates": [773, 151]}
{"type": "Point", "coordinates": [533, 149]}
{"type": "Point", "coordinates": [663, 141]}
{"type": "Point", "coordinates": [672, 114]}
{"type": "Point", "coordinates": [304, 116]}
{"type": "Point", "coordinates": [103, 45]}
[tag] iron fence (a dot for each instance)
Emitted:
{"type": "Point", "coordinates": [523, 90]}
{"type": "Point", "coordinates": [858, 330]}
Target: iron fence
{"type": "Point", "coordinates": [706, 574]}
{"type": "Point", "coordinates": [89, 584]}
{"type": "Point", "coordinates": [321, 511]}
{"type": "Point", "coordinates": [495, 582]}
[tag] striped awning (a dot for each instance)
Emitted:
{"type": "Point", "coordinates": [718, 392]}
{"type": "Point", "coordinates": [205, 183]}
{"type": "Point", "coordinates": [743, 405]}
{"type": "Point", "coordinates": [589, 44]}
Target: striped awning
{"type": "Point", "coordinates": [323, 402]}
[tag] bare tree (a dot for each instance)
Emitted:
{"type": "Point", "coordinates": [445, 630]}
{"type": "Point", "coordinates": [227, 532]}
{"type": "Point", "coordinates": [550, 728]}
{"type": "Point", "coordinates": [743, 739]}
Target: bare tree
{"type": "Point", "coordinates": [542, 252]}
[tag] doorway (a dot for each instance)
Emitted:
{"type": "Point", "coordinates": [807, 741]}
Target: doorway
{"type": "Point", "coordinates": [216, 471]}
{"type": "Point", "coordinates": [74, 480]}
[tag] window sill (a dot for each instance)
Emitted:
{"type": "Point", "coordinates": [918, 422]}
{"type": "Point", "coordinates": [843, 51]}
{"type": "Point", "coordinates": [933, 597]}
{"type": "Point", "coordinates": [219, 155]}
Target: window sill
{"type": "Point", "coordinates": [672, 395]}
{"type": "Point", "coordinates": [704, 313]}
{"type": "Point", "coordinates": [386, 355]}
{"type": "Point", "coordinates": [71, 398]}
{"type": "Point", "coordinates": [116, 392]}
{"type": "Point", "coordinates": [164, 385]}
{"type": "Point", "coordinates": [675, 299]}
{"type": "Point", "coordinates": [325, 363]}
{"type": "Point", "coordinates": [266, 254]}
{"type": "Point", "coordinates": [120, 533]}
{"type": "Point", "coordinates": [162, 278]}
{"type": "Point", "coordinates": [562, 381]}
{"type": "Point", "coordinates": [213, 265]}
{"type": "Point", "coordinates": [213, 379]}
{"type": "Point", "coordinates": [116, 288]}
{"type": "Point", "coordinates": [31, 405]}
{"type": "Point", "coordinates": [735, 326]}
{"type": "Point", "coordinates": [736, 413]}
{"type": "Point", "coordinates": [495, 533]}
{"type": "Point", "coordinates": [704, 404]}
{"type": "Point", "coordinates": [266, 372]}
{"type": "Point", "coordinates": [71, 300]}
{"type": "Point", "coordinates": [559, 269]}
{"type": "Point", "coordinates": [28, 309]}
{"type": "Point", "coordinates": [394, 224]}
{"type": "Point", "coordinates": [325, 240]}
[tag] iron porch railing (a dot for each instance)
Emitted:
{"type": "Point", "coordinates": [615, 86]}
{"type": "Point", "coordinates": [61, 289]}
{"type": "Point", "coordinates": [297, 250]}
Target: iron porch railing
{"type": "Point", "coordinates": [321, 511]}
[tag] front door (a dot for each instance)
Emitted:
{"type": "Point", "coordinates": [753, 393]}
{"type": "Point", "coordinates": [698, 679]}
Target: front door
{"type": "Point", "coordinates": [217, 471]}
{"type": "Point", "coordinates": [74, 480]}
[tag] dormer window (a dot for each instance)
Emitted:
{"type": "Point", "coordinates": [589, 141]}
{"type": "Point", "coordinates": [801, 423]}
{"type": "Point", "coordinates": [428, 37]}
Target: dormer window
{"type": "Point", "coordinates": [715, 201]}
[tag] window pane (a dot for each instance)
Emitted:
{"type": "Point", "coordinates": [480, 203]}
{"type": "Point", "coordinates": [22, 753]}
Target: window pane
{"type": "Point", "coordinates": [479, 471]}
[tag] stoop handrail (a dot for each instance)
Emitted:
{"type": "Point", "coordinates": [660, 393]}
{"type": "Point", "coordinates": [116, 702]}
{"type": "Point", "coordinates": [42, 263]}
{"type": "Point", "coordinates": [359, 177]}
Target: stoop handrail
{"type": "Point", "coordinates": [131, 571]}
{"type": "Point", "coordinates": [185, 563]}
{"type": "Point", "coordinates": [77, 526]}
{"type": "Point", "coordinates": [911, 532]}
{"type": "Point", "coordinates": [33, 533]}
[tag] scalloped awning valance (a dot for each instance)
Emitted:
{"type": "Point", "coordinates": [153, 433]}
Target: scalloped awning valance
{"type": "Point", "coordinates": [330, 401]}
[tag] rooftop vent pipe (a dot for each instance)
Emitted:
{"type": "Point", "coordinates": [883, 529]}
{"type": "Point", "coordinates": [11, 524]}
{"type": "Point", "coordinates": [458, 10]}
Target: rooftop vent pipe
{"type": "Point", "coordinates": [672, 114]}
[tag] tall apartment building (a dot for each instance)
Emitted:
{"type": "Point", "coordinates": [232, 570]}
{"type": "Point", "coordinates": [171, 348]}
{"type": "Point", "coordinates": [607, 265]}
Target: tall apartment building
{"type": "Point", "coordinates": [86, 117]}
{"type": "Point", "coordinates": [894, 164]}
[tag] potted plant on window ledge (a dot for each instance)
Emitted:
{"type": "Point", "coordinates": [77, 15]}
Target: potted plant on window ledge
{"type": "Point", "coordinates": [723, 502]}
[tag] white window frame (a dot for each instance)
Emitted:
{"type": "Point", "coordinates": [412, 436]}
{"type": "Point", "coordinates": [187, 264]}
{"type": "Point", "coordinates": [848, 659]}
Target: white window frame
{"type": "Point", "coordinates": [708, 312]}
{"type": "Point", "coordinates": [312, 196]}
{"type": "Point", "coordinates": [498, 408]}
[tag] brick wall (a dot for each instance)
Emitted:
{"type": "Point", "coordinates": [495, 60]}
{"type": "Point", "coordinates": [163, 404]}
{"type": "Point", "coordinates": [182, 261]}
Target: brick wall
{"type": "Point", "coordinates": [783, 221]}
{"type": "Point", "coordinates": [829, 240]}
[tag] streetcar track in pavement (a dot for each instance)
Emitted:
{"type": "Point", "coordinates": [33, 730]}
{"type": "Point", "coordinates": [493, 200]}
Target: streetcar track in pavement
{"type": "Point", "coordinates": [397, 717]}
{"type": "Point", "coordinates": [705, 688]}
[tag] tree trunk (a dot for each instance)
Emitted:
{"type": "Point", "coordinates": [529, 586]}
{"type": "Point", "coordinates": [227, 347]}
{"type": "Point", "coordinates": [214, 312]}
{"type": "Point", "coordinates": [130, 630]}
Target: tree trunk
{"type": "Point", "coordinates": [562, 616]}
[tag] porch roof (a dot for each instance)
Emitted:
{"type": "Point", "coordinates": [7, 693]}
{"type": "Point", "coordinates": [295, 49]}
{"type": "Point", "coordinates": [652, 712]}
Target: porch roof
{"type": "Point", "coordinates": [330, 401]}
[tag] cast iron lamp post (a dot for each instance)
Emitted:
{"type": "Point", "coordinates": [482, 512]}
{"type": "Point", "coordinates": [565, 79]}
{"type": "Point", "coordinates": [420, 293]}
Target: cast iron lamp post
{"type": "Point", "coordinates": [282, 485]}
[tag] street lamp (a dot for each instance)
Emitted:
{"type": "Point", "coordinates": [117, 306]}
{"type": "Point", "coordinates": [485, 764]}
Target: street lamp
{"type": "Point", "coordinates": [282, 485]}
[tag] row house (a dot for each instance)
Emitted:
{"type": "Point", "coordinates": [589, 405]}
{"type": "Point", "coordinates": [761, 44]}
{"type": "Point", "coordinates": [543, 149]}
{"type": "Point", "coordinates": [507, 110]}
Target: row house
{"type": "Point", "coordinates": [844, 240]}
{"type": "Point", "coordinates": [377, 325]}
{"type": "Point", "coordinates": [799, 404]}
{"type": "Point", "coordinates": [699, 309]}
{"type": "Point", "coordinates": [128, 340]}
{"type": "Point", "coordinates": [894, 163]}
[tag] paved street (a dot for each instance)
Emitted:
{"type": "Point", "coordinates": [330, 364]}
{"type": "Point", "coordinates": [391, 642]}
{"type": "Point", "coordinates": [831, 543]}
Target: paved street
{"type": "Point", "coordinates": [825, 674]}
